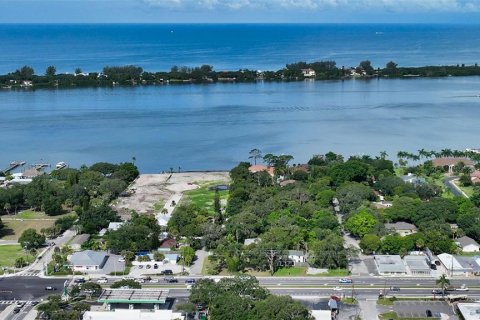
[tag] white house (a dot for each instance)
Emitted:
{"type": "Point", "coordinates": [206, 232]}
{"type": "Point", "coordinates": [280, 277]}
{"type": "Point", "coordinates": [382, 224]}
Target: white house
{"type": "Point", "coordinates": [114, 226]}
{"type": "Point", "coordinates": [308, 73]}
{"type": "Point", "coordinates": [467, 244]}
{"type": "Point", "coordinates": [88, 260]}
{"type": "Point", "coordinates": [297, 256]}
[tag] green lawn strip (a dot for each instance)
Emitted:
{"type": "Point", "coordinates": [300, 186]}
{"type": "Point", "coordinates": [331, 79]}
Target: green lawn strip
{"type": "Point", "coordinates": [293, 271]}
{"type": "Point", "coordinates": [469, 191]}
{"type": "Point", "coordinates": [438, 180]}
{"type": "Point", "coordinates": [203, 197]}
{"type": "Point", "coordinates": [9, 253]}
{"type": "Point", "coordinates": [336, 273]}
{"type": "Point", "coordinates": [349, 301]}
{"type": "Point", "coordinates": [393, 316]}
{"type": "Point", "coordinates": [159, 205]}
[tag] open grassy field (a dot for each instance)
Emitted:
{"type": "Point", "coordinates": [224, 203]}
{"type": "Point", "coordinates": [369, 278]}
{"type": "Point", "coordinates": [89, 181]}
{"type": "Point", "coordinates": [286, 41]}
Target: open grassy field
{"type": "Point", "coordinates": [13, 228]}
{"type": "Point", "coordinates": [9, 253]}
{"type": "Point", "coordinates": [203, 197]}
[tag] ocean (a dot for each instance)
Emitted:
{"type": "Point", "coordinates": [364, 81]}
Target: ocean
{"type": "Point", "coordinates": [212, 127]}
{"type": "Point", "coordinates": [233, 46]}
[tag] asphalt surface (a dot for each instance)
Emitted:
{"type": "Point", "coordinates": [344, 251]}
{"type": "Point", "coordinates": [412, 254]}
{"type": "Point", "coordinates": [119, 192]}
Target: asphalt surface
{"type": "Point", "coordinates": [449, 183]}
{"type": "Point", "coordinates": [27, 288]}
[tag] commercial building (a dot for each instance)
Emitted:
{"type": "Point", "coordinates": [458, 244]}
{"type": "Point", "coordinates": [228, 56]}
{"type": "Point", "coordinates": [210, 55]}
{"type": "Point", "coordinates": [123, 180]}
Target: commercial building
{"type": "Point", "coordinates": [469, 311]}
{"type": "Point", "coordinates": [134, 298]}
{"type": "Point", "coordinates": [88, 260]}
{"type": "Point", "coordinates": [417, 265]}
{"type": "Point", "coordinates": [133, 315]}
{"type": "Point", "coordinates": [459, 265]}
{"type": "Point", "coordinates": [390, 265]}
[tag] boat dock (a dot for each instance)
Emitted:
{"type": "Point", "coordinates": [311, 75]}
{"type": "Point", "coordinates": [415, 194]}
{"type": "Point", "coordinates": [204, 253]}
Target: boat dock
{"type": "Point", "coordinates": [13, 165]}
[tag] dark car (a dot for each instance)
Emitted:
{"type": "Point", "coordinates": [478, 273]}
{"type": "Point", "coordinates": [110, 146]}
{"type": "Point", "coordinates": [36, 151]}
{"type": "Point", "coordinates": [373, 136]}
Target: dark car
{"type": "Point", "coordinates": [436, 291]}
{"type": "Point", "coordinates": [50, 288]}
{"type": "Point", "coordinates": [79, 280]}
{"type": "Point", "coordinates": [429, 313]}
{"type": "Point", "coordinates": [166, 272]}
{"type": "Point", "coordinates": [395, 288]}
{"type": "Point", "coordinates": [190, 281]}
{"type": "Point", "coordinates": [17, 310]}
{"type": "Point", "coordinates": [171, 280]}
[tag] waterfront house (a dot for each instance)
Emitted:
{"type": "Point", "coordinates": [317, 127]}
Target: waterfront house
{"type": "Point", "coordinates": [467, 244]}
{"type": "Point", "coordinates": [448, 163]}
{"type": "Point", "coordinates": [308, 73]}
{"type": "Point", "coordinates": [475, 177]}
{"type": "Point", "coordinates": [402, 228]}
{"type": "Point", "coordinates": [259, 168]}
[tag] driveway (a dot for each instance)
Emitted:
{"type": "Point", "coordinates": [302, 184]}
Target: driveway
{"type": "Point", "coordinates": [197, 266]}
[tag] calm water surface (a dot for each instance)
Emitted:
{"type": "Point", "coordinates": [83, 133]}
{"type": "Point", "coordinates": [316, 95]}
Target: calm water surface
{"type": "Point", "coordinates": [214, 126]}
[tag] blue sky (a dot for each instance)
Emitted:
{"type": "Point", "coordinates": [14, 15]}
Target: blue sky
{"type": "Point", "coordinates": [238, 11]}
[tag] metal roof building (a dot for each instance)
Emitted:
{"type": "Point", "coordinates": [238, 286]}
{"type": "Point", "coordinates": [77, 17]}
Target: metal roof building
{"type": "Point", "coordinates": [417, 265]}
{"type": "Point", "coordinates": [134, 296]}
{"type": "Point", "coordinates": [390, 265]}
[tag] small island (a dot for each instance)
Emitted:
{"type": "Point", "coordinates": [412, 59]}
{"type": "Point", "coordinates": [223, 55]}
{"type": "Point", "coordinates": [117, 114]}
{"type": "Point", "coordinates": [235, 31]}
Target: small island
{"type": "Point", "coordinates": [130, 75]}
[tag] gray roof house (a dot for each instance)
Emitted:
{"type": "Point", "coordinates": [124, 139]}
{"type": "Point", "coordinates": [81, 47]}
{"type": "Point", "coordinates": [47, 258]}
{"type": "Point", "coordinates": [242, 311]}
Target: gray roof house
{"type": "Point", "coordinates": [467, 244]}
{"type": "Point", "coordinates": [413, 179]}
{"type": "Point", "coordinates": [401, 227]}
{"type": "Point", "coordinates": [88, 260]}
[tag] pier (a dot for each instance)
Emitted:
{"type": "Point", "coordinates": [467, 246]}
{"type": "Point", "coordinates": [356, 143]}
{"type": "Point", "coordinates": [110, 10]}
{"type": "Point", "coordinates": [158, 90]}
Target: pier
{"type": "Point", "coordinates": [13, 165]}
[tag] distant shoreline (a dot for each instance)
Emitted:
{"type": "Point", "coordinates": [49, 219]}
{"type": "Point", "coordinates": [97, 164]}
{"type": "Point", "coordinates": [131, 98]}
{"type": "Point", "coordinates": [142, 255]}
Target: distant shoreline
{"type": "Point", "coordinates": [130, 76]}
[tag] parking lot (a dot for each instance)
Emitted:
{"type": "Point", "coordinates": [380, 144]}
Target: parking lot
{"type": "Point", "coordinates": [418, 309]}
{"type": "Point", "coordinates": [135, 271]}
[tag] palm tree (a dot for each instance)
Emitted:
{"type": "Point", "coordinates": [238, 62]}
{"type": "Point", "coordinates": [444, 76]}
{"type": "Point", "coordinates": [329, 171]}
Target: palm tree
{"type": "Point", "coordinates": [443, 282]}
{"type": "Point", "coordinates": [383, 155]}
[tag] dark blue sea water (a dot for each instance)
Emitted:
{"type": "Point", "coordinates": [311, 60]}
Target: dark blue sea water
{"type": "Point", "coordinates": [159, 47]}
{"type": "Point", "coordinates": [214, 126]}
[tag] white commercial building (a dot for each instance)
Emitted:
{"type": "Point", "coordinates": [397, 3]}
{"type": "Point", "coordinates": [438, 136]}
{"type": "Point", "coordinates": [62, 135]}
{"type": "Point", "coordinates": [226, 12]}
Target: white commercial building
{"type": "Point", "coordinates": [390, 265]}
{"type": "Point", "coordinates": [469, 311]}
{"type": "Point", "coordinates": [125, 314]}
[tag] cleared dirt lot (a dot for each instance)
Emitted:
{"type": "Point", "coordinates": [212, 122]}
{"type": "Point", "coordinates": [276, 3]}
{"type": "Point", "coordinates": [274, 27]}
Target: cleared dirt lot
{"type": "Point", "coordinates": [151, 191]}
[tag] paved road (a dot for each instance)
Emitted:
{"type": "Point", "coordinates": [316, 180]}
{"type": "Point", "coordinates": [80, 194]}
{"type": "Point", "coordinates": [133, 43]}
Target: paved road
{"type": "Point", "coordinates": [455, 190]}
{"type": "Point", "coordinates": [27, 288]}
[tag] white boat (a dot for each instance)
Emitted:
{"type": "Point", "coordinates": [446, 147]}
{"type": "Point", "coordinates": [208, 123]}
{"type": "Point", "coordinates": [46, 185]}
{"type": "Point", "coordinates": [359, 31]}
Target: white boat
{"type": "Point", "coordinates": [61, 165]}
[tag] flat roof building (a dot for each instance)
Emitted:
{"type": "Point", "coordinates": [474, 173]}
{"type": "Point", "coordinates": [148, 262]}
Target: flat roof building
{"type": "Point", "coordinates": [390, 265]}
{"type": "Point", "coordinates": [417, 265]}
{"type": "Point", "coordinates": [133, 296]}
{"type": "Point", "coordinates": [469, 311]}
{"type": "Point", "coordinates": [133, 315]}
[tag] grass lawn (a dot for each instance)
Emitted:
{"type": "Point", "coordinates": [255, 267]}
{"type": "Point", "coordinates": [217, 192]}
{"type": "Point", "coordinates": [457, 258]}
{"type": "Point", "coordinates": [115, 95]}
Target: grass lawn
{"type": "Point", "coordinates": [393, 316]}
{"type": "Point", "coordinates": [336, 273]}
{"type": "Point", "coordinates": [294, 271]}
{"type": "Point", "coordinates": [203, 197]}
{"type": "Point", "coordinates": [157, 206]}
{"type": "Point", "coordinates": [438, 180]}
{"type": "Point", "coordinates": [13, 228]}
{"type": "Point", "coordinates": [469, 191]}
{"type": "Point", "coordinates": [9, 253]}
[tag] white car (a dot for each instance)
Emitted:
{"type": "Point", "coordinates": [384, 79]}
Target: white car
{"type": "Point", "coordinates": [121, 259]}
{"type": "Point", "coordinates": [140, 280]}
{"type": "Point", "coordinates": [154, 281]}
{"type": "Point", "coordinates": [103, 280]}
{"type": "Point", "coordinates": [337, 288]}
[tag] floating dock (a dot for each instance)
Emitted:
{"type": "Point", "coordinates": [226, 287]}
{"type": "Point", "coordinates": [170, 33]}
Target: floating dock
{"type": "Point", "coordinates": [13, 165]}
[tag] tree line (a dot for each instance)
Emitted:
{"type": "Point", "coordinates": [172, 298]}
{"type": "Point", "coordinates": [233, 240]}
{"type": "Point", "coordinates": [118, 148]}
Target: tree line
{"type": "Point", "coordinates": [131, 75]}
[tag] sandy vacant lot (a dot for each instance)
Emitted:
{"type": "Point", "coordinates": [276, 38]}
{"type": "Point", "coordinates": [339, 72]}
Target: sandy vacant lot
{"type": "Point", "coordinates": [153, 190]}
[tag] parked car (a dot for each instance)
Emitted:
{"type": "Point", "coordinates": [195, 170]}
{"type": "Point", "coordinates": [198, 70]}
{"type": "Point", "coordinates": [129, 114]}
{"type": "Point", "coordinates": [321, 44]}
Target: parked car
{"type": "Point", "coordinates": [171, 279]}
{"type": "Point", "coordinates": [155, 266]}
{"type": "Point", "coordinates": [166, 272]}
{"type": "Point", "coordinates": [128, 278]}
{"type": "Point", "coordinates": [154, 280]}
{"type": "Point", "coordinates": [429, 313]}
{"type": "Point", "coordinates": [50, 288]}
{"type": "Point", "coordinates": [140, 280]}
{"type": "Point", "coordinates": [79, 280]}
{"type": "Point", "coordinates": [148, 266]}
{"type": "Point", "coordinates": [190, 281]}
{"type": "Point", "coordinates": [102, 281]}
{"type": "Point", "coordinates": [345, 280]}
{"type": "Point", "coordinates": [121, 259]}
{"type": "Point", "coordinates": [140, 266]}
